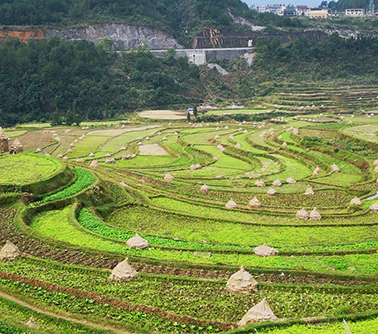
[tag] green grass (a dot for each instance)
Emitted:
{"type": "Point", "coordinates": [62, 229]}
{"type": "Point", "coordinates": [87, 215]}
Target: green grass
{"type": "Point", "coordinates": [153, 222]}
{"type": "Point", "coordinates": [23, 169]}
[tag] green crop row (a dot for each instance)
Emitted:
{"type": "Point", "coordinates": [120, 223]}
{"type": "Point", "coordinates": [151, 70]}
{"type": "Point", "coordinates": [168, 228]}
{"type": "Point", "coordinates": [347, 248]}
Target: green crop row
{"type": "Point", "coordinates": [201, 299]}
{"type": "Point", "coordinates": [52, 223]}
{"type": "Point", "coordinates": [84, 180]}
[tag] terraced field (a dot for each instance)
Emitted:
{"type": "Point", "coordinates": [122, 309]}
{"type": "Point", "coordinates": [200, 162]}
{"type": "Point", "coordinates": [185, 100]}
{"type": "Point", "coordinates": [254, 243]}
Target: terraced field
{"type": "Point", "coordinates": [118, 182]}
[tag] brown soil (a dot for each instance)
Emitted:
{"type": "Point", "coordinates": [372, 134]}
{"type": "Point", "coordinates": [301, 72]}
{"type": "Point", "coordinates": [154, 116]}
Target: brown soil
{"type": "Point", "coordinates": [71, 256]}
{"type": "Point", "coordinates": [35, 139]}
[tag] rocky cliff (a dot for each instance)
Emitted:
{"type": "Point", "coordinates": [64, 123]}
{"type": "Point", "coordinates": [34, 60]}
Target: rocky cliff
{"type": "Point", "coordinates": [123, 36]}
{"type": "Point", "coordinates": [226, 38]}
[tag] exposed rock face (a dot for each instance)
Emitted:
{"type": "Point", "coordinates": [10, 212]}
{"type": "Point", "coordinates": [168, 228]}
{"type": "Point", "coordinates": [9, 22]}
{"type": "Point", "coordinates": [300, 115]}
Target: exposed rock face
{"type": "Point", "coordinates": [123, 36]}
{"type": "Point", "coordinates": [227, 38]}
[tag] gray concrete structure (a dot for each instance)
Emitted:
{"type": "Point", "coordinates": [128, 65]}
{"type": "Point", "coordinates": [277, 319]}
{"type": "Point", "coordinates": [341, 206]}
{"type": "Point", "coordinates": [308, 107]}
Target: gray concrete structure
{"type": "Point", "coordinates": [202, 56]}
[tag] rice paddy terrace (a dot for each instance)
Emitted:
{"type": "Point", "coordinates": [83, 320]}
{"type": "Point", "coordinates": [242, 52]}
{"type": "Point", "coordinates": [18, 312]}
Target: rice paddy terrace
{"type": "Point", "coordinates": [202, 197]}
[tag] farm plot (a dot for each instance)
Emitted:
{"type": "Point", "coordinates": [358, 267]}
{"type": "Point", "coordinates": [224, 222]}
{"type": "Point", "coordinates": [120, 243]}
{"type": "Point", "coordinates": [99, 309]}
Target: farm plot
{"type": "Point", "coordinates": [324, 268]}
{"type": "Point", "coordinates": [33, 168]}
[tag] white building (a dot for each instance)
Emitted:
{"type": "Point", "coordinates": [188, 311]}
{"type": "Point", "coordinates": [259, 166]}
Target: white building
{"type": "Point", "coordinates": [355, 12]}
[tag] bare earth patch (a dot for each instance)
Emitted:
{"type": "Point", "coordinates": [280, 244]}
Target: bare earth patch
{"type": "Point", "coordinates": [152, 149]}
{"type": "Point", "coordinates": [163, 114]}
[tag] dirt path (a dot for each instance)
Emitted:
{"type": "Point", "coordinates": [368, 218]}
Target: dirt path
{"type": "Point", "coordinates": [83, 322]}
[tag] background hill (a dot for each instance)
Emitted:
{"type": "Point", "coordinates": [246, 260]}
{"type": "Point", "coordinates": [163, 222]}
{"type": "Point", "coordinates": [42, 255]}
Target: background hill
{"type": "Point", "coordinates": [183, 19]}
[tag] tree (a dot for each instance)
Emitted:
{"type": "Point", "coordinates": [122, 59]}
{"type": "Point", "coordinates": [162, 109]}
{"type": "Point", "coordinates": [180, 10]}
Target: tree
{"type": "Point", "coordinates": [188, 116]}
{"type": "Point", "coordinates": [70, 118]}
{"type": "Point", "coordinates": [195, 111]}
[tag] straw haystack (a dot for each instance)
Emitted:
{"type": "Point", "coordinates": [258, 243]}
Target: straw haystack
{"type": "Point", "coordinates": [254, 203]}
{"type": "Point", "coordinates": [279, 137]}
{"type": "Point", "coordinates": [242, 281]}
{"type": "Point", "coordinates": [296, 131]}
{"type": "Point", "coordinates": [9, 251]}
{"type": "Point", "coordinates": [65, 158]}
{"type": "Point", "coordinates": [231, 204]}
{"type": "Point", "coordinates": [79, 160]}
{"type": "Point", "coordinates": [91, 155]}
{"type": "Point", "coordinates": [375, 170]}
{"type": "Point", "coordinates": [168, 177]}
{"type": "Point", "coordinates": [231, 137]}
{"type": "Point", "coordinates": [123, 272]}
{"type": "Point", "coordinates": [302, 214]}
{"type": "Point", "coordinates": [238, 145]}
{"type": "Point", "coordinates": [259, 312]}
{"type": "Point", "coordinates": [205, 188]}
{"type": "Point", "coordinates": [69, 151]}
{"type": "Point", "coordinates": [75, 141]}
{"type": "Point", "coordinates": [309, 191]}
{"type": "Point", "coordinates": [291, 180]}
{"type": "Point", "coordinates": [259, 183]}
{"type": "Point", "coordinates": [31, 323]}
{"type": "Point", "coordinates": [215, 158]}
{"type": "Point", "coordinates": [315, 173]}
{"type": "Point", "coordinates": [262, 134]}
{"type": "Point", "coordinates": [59, 156]}
{"type": "Point", "coordinates": [315, 215]}
{"type": "Point", "coordinates": [72, 145]}
{"type": "Point", "coordinates": [375, 163]}
{"type": "Point", "coordinates": [335, 168]}
{"type": "Point", "coordinates": [195, 167]}
{"type": "Point", "coordinates": [277, 183]}
{"type": "Point", "coordinates": [123, 184]}
{"type": "Point", "coordinates": [164, 139]}
{"type": "Point", "coordinates": [107, 155]}
{"type": "Point", "coordinates": [356, 201]}
{"type": "Point", "coordinates": [220, 147]}
{"type": "Point", "coordinates": [94, 164]}
{"type": "Point", "coordinates": [284, 144]}
{"type": "Point", "coordinates": [17, 146]}
{"type": "Point", "coordinates": [226, 127]}
{"type": "Point", "coordinates": [374, 207]}
{"type": "Point", "coordinates": [38, 150]}
{"type": "Point", "coordinates": [123, 148]}
{"type": "Point", "coordinates": [217, 137]}
{"type": "Point", "coordinates": [264, 250]}
{"type": "Point", "coordinates": [271, 192]}
{"type": "Point", "coordinates": [137, 242]}
{"type": "Point", "coordinates": [317, 169]}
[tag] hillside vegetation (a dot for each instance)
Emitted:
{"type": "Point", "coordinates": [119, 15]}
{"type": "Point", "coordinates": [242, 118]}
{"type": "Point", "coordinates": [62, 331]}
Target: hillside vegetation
{"type": "Point", "coordinates": [71, 82]}
{"type": "Point", "coordinates": [183, 19]}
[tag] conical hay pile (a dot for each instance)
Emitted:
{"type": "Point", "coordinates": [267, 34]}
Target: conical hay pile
{"type": "Point", "coordinates": [259, 312]}
{"type": "Point", "coordinates": [375, 163]}
{"type": "Point", "coordinates": [356, 201]}
{"type": "Point", "coordinates": [309, 191]}
{"type": "Point", "coordinates": [254, 203]}
{"type": "Point", "coordinates": [271, 192]}
{"type": "Point", "coordinates": [31, 323]}
{"type": "Point", "coordinates": [259, 183]}
{"type": "Point", "coordinates": [137, 242]}
{"type": "Point", "coordinates": [168, 177]}
{"type": "Point", "coordinates": [374, 207]}
{"type": "Point", "coordinates": [242, 281]}
{"type": "Point", "coordinates": [94, 164]}
{"type": "Point", "coordinates": [205, 188]}
{"type": "Point", "coordinates": [284, 144]}
{"type": "Point", "coordinates": [315, 215]}
{"type": "Point", "coordinates": [231, 204]}
{"type": "Point", "coordinates": [264, 250]}
{"type": "Point", "coordinates": [335, 168]}
{"type": "Point", "coordinates": [123, 272]}
{"type": "Point", "coordinates": [277, 183]}
{"type": "Point", "coordinates": [291, 180]}
{"type": "Point", "coordinates": [302, 214]}
{"type": "Point", "coordinates": [9, 251]}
